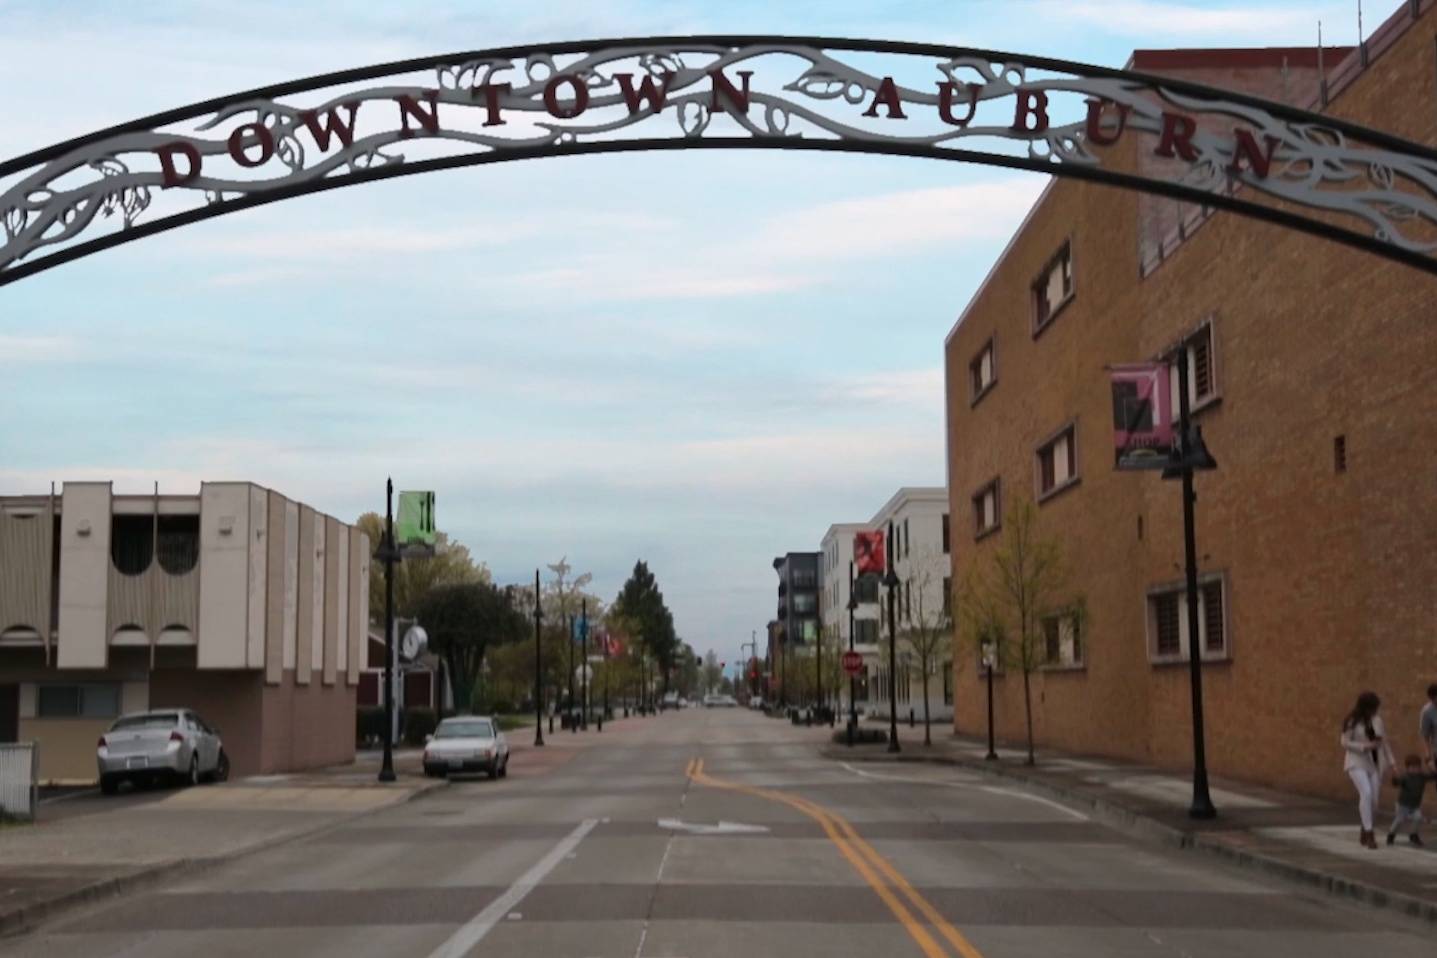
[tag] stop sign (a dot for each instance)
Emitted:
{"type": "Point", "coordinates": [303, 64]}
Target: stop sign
{"type": "Point", "coordinates": [852, 663]}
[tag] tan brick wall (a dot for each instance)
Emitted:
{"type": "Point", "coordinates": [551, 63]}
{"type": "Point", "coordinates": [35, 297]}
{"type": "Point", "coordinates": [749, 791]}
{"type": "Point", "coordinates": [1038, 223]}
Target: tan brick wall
{"type": "Point", "coordinates": [1331, 577]}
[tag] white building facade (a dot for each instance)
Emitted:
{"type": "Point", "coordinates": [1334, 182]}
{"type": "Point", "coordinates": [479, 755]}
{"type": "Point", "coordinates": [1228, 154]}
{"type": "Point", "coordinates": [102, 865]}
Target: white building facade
{"type": "Point", "coordinates": [915, 525]}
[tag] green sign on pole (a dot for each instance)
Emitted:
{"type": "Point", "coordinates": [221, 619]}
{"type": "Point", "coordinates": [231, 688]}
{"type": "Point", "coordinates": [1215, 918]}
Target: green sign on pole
{"type": "Point", "coordinates": [415, 523]}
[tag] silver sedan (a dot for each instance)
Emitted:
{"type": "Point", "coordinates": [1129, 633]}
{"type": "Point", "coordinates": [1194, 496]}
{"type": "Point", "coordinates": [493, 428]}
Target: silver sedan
{"type": "Point", "coordinates": [467, 743]}
{"type": "Point", "coordinates": [165, 743]}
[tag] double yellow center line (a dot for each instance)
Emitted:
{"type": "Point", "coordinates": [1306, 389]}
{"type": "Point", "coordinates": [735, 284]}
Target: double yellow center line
{"type": "Point", "coordinates": [885, 880]}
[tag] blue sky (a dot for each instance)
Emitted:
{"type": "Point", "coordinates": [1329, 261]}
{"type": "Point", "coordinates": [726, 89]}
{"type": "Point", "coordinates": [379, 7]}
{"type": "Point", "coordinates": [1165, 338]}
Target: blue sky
{"type": "Point", "coordinates": [697, 359]}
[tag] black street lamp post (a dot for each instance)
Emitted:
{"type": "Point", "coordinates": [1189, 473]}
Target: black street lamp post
{"type": "Point", "coordinates": [1190, 455]}
{"type": "Point", "coordinates": [538, 668]}
{"type": "Point", "coordinates": [584, 675]}
{"type": "Point", "coordinates": [891, 580]}
{"type": "Point", "coordinates": [603, 712]}
{"type": "Point", "coordinates": [569, 634]}
{"type": "Point", "coordinates": [990, 650]}
{"type": "Point", "coordinates": [852, 679]}
{"type": "Point", "coordinates": [389, 555]}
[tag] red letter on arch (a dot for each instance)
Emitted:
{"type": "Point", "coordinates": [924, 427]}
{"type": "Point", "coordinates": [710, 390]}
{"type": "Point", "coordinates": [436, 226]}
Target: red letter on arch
{"type": "Point", "coordinates": [1096, 136]}
{"type": "Point", "coordinates": [408, 106]}
{"type": "Point", "coordinates": [648, 92]}
{"type": "Point", "coordinates": [167, 154]}
{"type": "Point", "coordinates": [332, 125]}
{"type": "Point", "coordinates": [1032, 106]}
{"type": "Point", "coordinates": [491, 93]}
{"type": "Point", "coordinates": [551, 97]}
{"type": "Point", "coordinates": [1245, 148]}
{"type": "Point", "coordinates": [887, 95]}
{"type": "Point", "coordinates": [737, 97]}
{"type": "Point", "coordinates": [945, 103]}
{"type": "Point", "coordinates": [261, 135]}
{"type": "Point", "coordinates": [1177, 136]}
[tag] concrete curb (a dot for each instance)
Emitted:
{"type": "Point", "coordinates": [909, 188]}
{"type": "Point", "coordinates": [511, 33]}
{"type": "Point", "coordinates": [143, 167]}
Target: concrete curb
{"type": "Point", "coordinates": [25, 919]}
{"type": "Point", "coordinates": [1150, 829]}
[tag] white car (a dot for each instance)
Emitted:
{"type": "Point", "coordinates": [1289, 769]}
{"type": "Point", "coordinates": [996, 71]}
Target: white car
{"type": "Point", "coordinates": [174, 744]}
{"type": "Point", "coordinates": [466, 743]}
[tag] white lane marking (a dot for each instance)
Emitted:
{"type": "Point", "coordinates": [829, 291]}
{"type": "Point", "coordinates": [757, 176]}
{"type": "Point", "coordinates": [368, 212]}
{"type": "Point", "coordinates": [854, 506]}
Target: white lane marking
{"type": "Point", "coordinates": [65, 798]}
{"type": "Point", "coordinates": [1012, 793]}
{"type": "Point", "coordinates": [473, 931]}
{"type": "Point", "coordinates": [722, 828]}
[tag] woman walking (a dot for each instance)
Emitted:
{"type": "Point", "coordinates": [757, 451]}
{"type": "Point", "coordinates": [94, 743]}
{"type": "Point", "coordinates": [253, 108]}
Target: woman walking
{"type": "Point", "coordinates": [1368, 756]}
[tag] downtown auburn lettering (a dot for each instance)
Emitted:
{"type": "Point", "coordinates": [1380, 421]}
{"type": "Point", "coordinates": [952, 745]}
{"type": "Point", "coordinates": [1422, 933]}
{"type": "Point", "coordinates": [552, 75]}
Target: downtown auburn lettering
{"type": "Point", "coordinates": [567, 96]}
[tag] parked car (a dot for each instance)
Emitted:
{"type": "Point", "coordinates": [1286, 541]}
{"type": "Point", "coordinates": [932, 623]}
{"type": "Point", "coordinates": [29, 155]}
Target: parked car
{"type": "Point", "coordinates": [173, 744]}
{"type": "Point", "coordinates": [467, 743]}
{"type": "Point", "coordinates": [669, 701]}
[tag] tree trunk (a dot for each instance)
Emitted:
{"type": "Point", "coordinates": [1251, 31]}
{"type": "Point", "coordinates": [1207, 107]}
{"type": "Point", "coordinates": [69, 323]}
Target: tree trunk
{"type": "Point", "coordinates": [927, 725]}
{"type": "Point", "coordinates": [1028, 708]}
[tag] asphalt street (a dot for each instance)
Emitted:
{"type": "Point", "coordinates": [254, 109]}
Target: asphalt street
{"type": "Point", "coordinates": [703, 834]}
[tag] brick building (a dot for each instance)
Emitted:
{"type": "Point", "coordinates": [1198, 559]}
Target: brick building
{"type": "Point", "coordinates": [1315, 383]}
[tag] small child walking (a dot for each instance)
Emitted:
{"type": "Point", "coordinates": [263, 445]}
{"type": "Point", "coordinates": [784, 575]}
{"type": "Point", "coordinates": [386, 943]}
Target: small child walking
{"type": "Point", "coordinates": [1409, 799]}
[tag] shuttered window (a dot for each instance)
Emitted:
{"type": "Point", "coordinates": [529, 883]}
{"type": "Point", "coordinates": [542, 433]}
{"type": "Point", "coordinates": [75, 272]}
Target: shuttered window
{"type": "Point", "coordinates": [1052, 288]}
{"type": "Point", "coordinates": [1169, 634]}
{"type": "Point", "coordinates": [1168, 626]}
{"type": "Point", "coordinates": [1057, 462]}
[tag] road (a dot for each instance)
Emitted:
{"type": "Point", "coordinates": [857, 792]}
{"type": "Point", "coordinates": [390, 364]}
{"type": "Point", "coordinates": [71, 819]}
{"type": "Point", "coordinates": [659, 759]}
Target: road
{"type": "Point", "coordinates": [709, 834]}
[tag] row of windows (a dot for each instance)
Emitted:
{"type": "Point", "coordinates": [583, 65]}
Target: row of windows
{"type": "Point", "coordinates": [135, 540]}
{"type": "Point", "coordinates": [1167, 627]}
{"type": "Point", "coordinates": [907, 685]}
{"type": "Point", "coordinates": [1055, 460]}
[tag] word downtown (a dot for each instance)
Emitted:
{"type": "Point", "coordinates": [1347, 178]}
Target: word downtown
{"type": "Point", "coordinates": [253, 144]}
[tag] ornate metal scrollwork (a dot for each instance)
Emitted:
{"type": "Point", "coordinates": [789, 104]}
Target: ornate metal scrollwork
{"type": "Point", "coordinates": [976, 106]}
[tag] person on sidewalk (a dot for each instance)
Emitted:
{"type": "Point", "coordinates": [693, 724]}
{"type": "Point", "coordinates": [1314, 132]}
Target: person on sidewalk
{"type": "Point", "coordinates": [1367, 756]}
{"type": "Point", "coordinates": [1427, 724]}
{"type": "Point", "coordinates": [1409, 799]}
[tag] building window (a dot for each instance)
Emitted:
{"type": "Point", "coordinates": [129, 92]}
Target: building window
{"type": "Point", "coordinates": [865, 587]}
{"type": "Point", "coordinates": [803, 602]}
{"type": "Point", "coordinates": [865, 631]}
{"type": "Point", "coordinates": [803, 579]}
{"type": "Point", "coordinates": [95, 700]}
{"type": "Point", "coordinates": [1063, 641]}
{"type": "Point", "coordinates": [1202, 371]}
{"type": "Point", "coordinates": [987, 509]}
{"type": "Point", "coordinates": [1057, 463]}
{"type": "Point", "coordinates": [907, 540]}
{"type": "Point", "coordinates": [947, 597]}
{"type": "Point", "coordinates": [946, 542]}
{"type": "Point", "coordinates": [908, 600]}
{"type": "Point", "coordinates": [982, 372]}
{"type": "Point", "coordinates": [132, 543]}
{"type": "Point", "coordinates": [179, 542]}
{"type": "Point", "coordinates": [1053, 288]}
{"type": "Point", "coordinates": [1168, 625]}
{"type": "Point", "coordinates": [947, 683]}
{"type": "Point", "coordinates": [1339, 454]}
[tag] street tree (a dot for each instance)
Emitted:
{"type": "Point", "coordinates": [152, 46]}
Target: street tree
{"type": "Point", "coordinates": [451, 564]}
{"type": "Point", "coordinates": [929, 633]}
{"type": "Point", "coordinates": [712, 672]}
{"type": "Point", "coordinates": [641, 606]}
{"type": "Point", "coordinates": [1007, 596]}
{"type": "Point", "coordinates": [463, 620]}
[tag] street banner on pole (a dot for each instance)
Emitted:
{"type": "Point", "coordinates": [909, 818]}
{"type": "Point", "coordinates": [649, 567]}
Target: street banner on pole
{"type": "Point", "coordinates": [1142, 417]}
{"type": "Point", "coordinates": [580, 628]}
{"type": "Point", "coordinates": [868, 552]}
{"type": "Point", "coordinates": [414, 526]}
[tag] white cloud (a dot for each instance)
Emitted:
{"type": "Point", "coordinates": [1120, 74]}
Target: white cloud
{"type": "Point", "coordinates": [40, 349]}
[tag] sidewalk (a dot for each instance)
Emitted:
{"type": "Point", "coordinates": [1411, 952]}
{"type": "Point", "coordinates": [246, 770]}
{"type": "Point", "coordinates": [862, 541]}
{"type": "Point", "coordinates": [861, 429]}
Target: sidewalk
{"type": "Point", "coordinates": [1296, 837]}
{"type": "Point", "coordinates": [92, 846]}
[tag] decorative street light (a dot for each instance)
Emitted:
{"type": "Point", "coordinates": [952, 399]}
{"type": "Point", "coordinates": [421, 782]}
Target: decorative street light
{"type": "Point", "coordinates": [388, 555]}
{"type": "Point", "coordinates": [852, 679]}
{"type": "Point", "coordinates": [538, 668]}
{"type": "Point", "coordinates": [891, 580]}
{"type": "Point", "coordinates": [1189, 455]}
{"type": "Point", "coordinates": [990, 650]}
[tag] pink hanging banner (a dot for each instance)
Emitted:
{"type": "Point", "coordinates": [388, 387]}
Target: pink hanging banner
{"type": "Point", "coordinates": [1142, 415]}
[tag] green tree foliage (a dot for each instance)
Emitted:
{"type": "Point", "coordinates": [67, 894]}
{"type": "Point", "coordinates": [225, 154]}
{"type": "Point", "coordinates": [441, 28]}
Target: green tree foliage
{"type": "Point", "coordinates": [648, 621]}
{"type": "Point", "coordinates": [451, 564]}
{"type": "Point", "coordinates": [1009, 593]}
{"type": "Point", "coordinates": [463, 620]}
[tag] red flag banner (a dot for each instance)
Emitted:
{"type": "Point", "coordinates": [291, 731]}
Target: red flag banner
{"type": "Point", "coordinates": [868, 552]}
{"type": "Point", "coordinates": [1142, 417]}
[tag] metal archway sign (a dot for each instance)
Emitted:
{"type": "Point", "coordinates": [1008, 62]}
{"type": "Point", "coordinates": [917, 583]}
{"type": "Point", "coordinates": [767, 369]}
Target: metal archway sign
{"type": "Point", "coordinates": [1305, 171]}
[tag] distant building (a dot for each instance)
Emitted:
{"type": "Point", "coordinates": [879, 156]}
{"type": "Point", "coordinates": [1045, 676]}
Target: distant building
{"type": "Point", "coordinates": [797, 614]}
{"type": "Point", "coordinates": [239, 603]}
